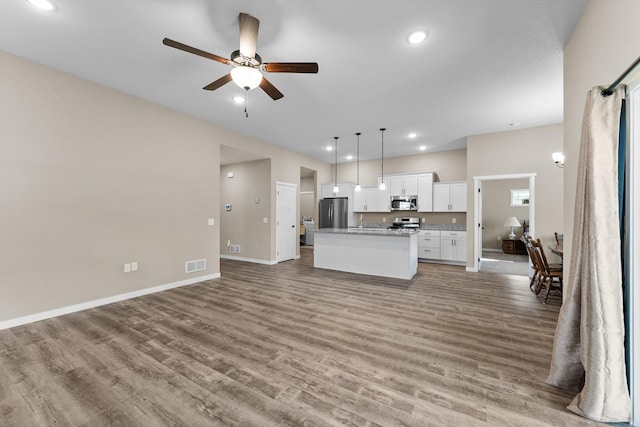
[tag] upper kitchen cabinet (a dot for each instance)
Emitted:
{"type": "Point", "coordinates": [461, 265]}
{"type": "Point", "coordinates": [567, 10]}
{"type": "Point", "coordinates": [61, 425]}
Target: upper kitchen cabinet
{"type": "Point", "coordinates": [372, 200]}
{"type": "Point", "coordinates": [425, 192]}
{"type": "Point", "coordinates": [346, 190]}
{"type": "Point", "coordinates": [403, 185]}
{"type": "Point", "coordinates": [450, 197]}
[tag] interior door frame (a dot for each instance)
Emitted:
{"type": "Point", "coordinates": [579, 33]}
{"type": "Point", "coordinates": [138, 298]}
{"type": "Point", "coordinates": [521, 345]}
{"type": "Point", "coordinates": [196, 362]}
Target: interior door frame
{"type": "Point", "coordinates": [477, 210]}
{"type": "Point", "coordinates": [278, 219]}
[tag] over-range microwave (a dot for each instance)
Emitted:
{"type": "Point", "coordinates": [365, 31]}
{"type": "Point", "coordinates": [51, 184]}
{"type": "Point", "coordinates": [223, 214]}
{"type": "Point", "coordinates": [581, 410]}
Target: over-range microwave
{"type": "Point", "coordinates": [404, 203]}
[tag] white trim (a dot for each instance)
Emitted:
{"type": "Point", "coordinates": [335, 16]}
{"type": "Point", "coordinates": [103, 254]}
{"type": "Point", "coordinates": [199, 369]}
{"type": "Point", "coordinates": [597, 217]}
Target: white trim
{"type": "Point", "coordinates": [253, 260]}
{"type": "Point", "coordinates": [477, 181]}
{"type": "Point", "coordinates": [102, 301]}
{"type": "Point", "coordinates": [472, 270]}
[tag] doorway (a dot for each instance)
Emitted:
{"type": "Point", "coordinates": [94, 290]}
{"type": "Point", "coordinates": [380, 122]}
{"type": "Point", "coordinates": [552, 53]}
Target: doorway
{"type": "Point", "coordinates": [478, 182]}
{"type": "Point", "coordinates": [286, 230]}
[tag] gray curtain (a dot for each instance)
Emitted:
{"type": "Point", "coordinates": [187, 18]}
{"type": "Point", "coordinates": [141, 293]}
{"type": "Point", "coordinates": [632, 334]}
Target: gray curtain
{"type": "Point", "coordinates": [588, 351]}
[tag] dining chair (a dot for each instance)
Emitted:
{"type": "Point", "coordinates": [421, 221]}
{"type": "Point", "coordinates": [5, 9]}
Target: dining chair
{"type": "Point", "coordinates": [536, 271]}
{"type": "Point", "coordinates": [550, 278]}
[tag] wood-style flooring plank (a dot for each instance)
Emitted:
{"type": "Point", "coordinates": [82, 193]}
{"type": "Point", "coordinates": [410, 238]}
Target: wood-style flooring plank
{"type": "Point", "coordinates": [290, 345]}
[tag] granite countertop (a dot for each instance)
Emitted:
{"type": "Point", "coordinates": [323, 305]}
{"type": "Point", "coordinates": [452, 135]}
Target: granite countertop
{"type": "Point", "coordinates": [446, 227]}
{"type": "Point", "coordinates": [368, 231]}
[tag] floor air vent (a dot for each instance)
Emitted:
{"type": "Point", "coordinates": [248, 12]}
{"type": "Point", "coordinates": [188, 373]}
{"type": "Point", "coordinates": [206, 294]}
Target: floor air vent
{"type": "Point", "coordinates": [234, 249]}
{"type": "Point", "coordinates": [197, 265]}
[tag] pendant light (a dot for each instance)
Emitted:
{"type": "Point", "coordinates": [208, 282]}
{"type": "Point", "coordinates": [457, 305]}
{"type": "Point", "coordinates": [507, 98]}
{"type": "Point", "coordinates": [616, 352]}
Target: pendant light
{"type": "Point", "coordinates": [382, 185]}
{"type": "Point", "coordinates": [335, 183]}
{"type": "Point", "coordinates": [358, 162]}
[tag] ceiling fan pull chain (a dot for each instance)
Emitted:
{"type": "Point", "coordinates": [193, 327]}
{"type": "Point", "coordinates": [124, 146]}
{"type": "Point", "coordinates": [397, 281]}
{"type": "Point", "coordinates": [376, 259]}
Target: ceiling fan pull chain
{"type": "Point", "coordinates": [246, 94]}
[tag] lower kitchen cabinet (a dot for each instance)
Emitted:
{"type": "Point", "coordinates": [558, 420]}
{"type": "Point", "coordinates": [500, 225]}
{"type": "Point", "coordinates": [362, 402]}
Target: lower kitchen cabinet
{"type": "Point", "coordinates": [429, 244]}
{"type": "Point", "coordinates": [453, 246]}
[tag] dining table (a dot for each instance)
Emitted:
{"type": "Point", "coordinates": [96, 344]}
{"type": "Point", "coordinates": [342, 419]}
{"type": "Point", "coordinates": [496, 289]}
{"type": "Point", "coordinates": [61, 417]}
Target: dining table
{"type": "Point", "coordinates": [557, 249]}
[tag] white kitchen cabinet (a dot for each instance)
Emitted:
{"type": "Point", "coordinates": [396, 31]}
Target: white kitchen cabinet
{"type": "Point", "coordinates": [372, 200]}
{"type": "Point", "coordinates": [425, 192]}
{"type": "Point", "coordinates": [429, 244]}
{"type": "Point", "coordinates": [453, 246]}
{"type": "Point", "coordinates": [450, 197]}
{"type": "Point", "coordinates": [403, 185]}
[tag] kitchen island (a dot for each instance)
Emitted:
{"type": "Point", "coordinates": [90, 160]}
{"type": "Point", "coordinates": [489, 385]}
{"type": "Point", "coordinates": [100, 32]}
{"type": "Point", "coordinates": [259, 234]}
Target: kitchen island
{"type": "Point", "coordinates": [378, 252]}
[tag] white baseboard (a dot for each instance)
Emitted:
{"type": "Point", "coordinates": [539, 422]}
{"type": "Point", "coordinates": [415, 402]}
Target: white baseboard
{"type": "Point", "coordinates": [491, 250]}
{"type": "Point", "coordinates": [103, 301]}
{"type": "Point", "coordinates": [472, 270]}
{"type": "Point", "coordinates": [254, 260]}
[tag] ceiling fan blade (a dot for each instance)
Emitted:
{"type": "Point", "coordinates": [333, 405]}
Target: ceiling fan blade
{"type": "Point", "coordinates": [248, 35]}
{"type": "Point", "coordinates": [291, 67]}
{"type": "Point", "coordinates": [186, 48]}
{"type": "Point", "coordinates": [270, 89]}
{"type": "Point", "coordinates": [220, 82]}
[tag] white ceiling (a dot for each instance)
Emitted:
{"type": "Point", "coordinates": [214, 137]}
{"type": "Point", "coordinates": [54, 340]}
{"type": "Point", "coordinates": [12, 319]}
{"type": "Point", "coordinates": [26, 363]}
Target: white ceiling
{"type": "Point", "coordinates": [486, 64]}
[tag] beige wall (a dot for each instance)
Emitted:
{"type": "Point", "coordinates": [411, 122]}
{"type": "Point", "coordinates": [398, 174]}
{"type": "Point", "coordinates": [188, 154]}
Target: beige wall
{"type": "Point", "coordinates": [496, 208]}
{"type": "Point", "coordinates": [244, 225]}
{"type": "Point", "coordinates": [308, 208]}
{"type": "Point", "coordinates": [604, 43]}
{"type": "Point", "coordinates": [516, 152]}
{"type": "Point", "coordinates": [449, 165]}
{"type": "Point", "coordinates": [93, 178]}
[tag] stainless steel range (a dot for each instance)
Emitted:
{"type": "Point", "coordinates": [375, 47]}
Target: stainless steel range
{"type": "Point", "coordinates": [407, 223]}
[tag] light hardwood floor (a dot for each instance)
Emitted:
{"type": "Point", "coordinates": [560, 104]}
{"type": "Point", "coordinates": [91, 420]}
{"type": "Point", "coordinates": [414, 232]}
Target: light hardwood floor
{"type": "Point", "coordinates": [289, 345]}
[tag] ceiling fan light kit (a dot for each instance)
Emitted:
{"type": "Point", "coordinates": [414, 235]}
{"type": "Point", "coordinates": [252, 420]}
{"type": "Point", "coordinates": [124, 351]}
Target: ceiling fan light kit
{"type": "Point", "coordinates": [247, 64]}
{"type": "Point", "coordinates": [246, 77]}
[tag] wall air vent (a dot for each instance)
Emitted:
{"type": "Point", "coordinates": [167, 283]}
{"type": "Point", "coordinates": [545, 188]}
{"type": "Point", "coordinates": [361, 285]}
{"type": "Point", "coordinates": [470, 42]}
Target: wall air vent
{"type": "Point", "coordinates": [235, 249]}
{"type": "Point", "coordinates": [196, 265]}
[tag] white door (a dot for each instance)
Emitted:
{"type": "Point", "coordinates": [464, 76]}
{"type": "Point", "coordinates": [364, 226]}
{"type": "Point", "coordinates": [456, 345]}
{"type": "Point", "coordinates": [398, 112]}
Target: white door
{"type": "Point", "coordinates": [286, 230]}
{"type": "Point", "coordinates": [459, 197]}
{"type": "Point", "coordinates": [396, 185]}
{"type": "Point", "coordinates": [411, 185]}
{"type": "Point", "coordinates": [425, 192]}
{"type": "Point", "coordinates": [441, 197]}
{"type": "Point", "coordinates": [360, 201]}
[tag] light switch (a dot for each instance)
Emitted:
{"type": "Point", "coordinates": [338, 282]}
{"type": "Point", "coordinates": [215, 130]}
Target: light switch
{"type": "Point", "coordinates": [134, 266]}
{"type": "Point", "coordinates": [211, 221]}
{"type": "Point", "coordinates": [265, 220]}
{"type": "Point", "coordinates": [127, 268]}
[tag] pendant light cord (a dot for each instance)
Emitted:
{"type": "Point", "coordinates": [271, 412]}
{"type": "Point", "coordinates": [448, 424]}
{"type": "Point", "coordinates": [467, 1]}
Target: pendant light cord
{"type": "Point", "coordinates": [382, 157]}
{"type": "Point", "coordinates": [358, 159]}
{"type": "Point", "coordinates": [336, 163]}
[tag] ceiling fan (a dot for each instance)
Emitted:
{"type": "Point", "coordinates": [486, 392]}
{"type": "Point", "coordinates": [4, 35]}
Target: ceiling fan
{"type": "Point", "coordinates": [247, 64]}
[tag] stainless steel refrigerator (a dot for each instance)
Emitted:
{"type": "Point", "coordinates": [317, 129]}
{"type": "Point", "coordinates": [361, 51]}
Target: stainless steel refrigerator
{"type": "Point", "coordinates": [333, 213]}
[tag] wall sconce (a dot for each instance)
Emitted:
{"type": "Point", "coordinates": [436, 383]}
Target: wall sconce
{"type": "Point", "coordinates": [558, 158]}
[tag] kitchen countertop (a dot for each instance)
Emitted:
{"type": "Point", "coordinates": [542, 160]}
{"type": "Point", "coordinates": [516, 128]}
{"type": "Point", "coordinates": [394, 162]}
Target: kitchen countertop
{"type": "Point", "coordinates": [367, 231]}
{"type": "Point", "coordinates": [446, 227]}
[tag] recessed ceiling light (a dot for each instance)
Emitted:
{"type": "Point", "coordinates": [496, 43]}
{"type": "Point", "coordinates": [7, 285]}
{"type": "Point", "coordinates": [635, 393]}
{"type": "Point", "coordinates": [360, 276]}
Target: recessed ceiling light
{"type": "Point", "coordinates": [329, 148]}
{"type": "Point", "coordinates": [43, 4]}
{"type": "Point", "coordinates": [349, 157]}
{"type": "Point", "coordinates": [514, 124]}
{"type": "Point", "coordinates": [423, 147]}
{"type": "Point", "coordinates": [238, 99]}
{"type": "Point", "coordinates": [412, 135]}
{"type": "Point", "coordinates": [417, 37]}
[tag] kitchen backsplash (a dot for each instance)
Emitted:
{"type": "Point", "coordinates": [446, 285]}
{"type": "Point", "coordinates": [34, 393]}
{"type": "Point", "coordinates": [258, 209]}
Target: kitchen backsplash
{"type": "Point", "coordinates": [429, 217]}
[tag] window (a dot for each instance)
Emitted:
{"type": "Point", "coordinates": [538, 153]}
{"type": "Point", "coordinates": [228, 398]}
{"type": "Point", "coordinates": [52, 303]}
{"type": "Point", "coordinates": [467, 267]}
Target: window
{"type": "Point", "coordinates": [519, 197]}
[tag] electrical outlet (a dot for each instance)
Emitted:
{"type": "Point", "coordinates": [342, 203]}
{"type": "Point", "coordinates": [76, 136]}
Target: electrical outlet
{"type": "Point", "coordinates": [127, 268]}
{"type": "Point", "coordinates": [134, 266]}
{"type": "Point", "coordinates": [265, 220]}
{"type": "Point", "coordinates": [453, 220]}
